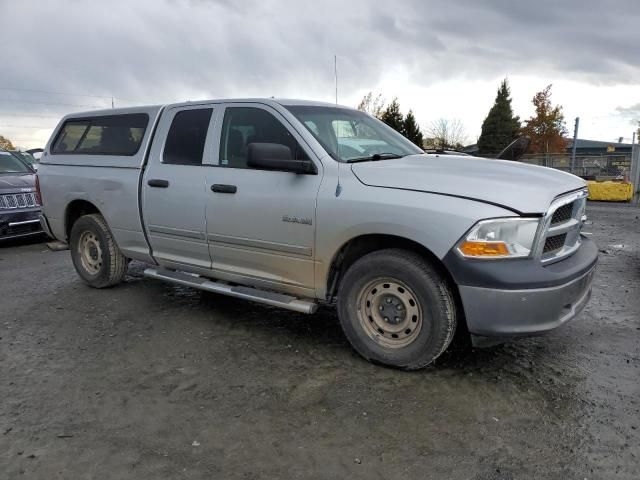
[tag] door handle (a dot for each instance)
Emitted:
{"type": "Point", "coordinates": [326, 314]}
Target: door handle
{"type": "Point", "coordinates": [219, 188]}
{"type": "Point", "coordinates": [155, 182]}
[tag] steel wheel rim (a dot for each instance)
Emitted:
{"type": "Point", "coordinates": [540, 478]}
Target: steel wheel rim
{"type": "Point", "coordinates": [90, 252]}
{"type": "Point", "coordinates": [389, 313]}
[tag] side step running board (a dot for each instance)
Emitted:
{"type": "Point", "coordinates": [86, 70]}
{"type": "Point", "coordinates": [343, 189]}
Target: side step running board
{"type": "Point", "coordinates": [248, 293]}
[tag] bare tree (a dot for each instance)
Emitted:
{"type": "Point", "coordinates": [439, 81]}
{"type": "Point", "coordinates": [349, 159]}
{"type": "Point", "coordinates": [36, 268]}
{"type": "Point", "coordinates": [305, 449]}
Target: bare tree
{"type": "Point", "coordinates": [446, 134]}
{"type": "Point", "coordinates": [373, 105]}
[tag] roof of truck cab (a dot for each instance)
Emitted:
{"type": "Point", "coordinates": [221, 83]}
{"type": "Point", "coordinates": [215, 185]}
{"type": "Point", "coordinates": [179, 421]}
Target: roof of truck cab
{"type": "Point", "coordinates": [137, 109]}
{"type": "Point", "coordinates": [281, 101]}
{"type": "Point", "coordinates": [112, 111]}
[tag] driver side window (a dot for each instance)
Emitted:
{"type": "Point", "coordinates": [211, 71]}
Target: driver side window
{"type": "Point", "coordinates": [245, 125]}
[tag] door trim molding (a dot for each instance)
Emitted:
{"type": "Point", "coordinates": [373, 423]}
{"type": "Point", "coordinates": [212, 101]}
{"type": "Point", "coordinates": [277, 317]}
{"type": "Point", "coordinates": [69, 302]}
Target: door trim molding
{"type": "Point", "coordinates": [177, 232]}
{"type": "Point", "coordinates": [261, 244]}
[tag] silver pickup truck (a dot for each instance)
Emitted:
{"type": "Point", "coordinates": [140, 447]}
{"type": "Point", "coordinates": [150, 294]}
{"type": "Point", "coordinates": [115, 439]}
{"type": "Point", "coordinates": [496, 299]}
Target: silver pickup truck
{"type": "Point", "coordinates": [296, 204]}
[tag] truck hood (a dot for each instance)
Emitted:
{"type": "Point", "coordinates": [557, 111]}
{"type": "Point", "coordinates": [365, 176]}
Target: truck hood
{"type": "Point", "coordinates": [525, 189]}
{"type": "Point", "coordinates": [17, 182]}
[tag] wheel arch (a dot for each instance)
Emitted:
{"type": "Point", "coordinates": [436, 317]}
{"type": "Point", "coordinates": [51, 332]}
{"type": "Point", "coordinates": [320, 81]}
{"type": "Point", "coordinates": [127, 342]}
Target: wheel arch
{"type": "Point", "coordinates": [76, 209]}
{"type": "Point", "coordinates": [361, 245]}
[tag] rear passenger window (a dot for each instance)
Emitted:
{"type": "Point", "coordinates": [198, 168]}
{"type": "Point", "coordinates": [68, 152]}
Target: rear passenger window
{"type": "Point", "coordinates": [187, 136]}
{"type": "Point", "coordinates": [243, 126]}
{"type": "Point", "coordinates": [103, 135]}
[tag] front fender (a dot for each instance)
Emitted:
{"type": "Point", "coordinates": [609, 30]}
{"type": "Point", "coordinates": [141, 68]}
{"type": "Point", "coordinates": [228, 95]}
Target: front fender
{"type": "Point", "coordinates": [434, 221]}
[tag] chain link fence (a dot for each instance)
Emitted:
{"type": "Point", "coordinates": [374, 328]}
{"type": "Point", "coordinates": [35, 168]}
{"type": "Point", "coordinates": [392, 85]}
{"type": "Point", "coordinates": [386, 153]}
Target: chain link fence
{"type": "Point", "coordinates": [606, 166]}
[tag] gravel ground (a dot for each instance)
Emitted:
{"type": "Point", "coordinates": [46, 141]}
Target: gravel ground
{"type": "Point", "coordinates": [153, 381]}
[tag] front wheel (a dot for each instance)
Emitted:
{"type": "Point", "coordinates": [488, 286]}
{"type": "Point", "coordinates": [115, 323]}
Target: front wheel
{"type": "Point", "coordinates": [94, 252]}
{"type": "Point", "coordinates": [396, 309]}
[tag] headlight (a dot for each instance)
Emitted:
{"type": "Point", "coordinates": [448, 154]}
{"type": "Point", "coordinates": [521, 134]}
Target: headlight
{"type": "Point", "coordinates": [500, 238]}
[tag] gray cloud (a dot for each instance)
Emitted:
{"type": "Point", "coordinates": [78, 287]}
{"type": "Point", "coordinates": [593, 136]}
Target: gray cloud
{"type": "Point", "coordinates": [631, 113]}
{"type": "Point", "coordinates": [157, 51]}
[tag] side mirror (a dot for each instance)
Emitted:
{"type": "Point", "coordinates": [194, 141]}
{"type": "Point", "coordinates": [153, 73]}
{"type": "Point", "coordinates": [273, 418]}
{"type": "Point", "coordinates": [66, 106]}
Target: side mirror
{"type": "Point", "coordinates": [275, 156]}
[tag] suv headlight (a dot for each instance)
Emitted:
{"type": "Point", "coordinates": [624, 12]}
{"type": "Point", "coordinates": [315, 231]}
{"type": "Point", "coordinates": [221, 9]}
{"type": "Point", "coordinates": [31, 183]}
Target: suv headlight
{"type": "Point", "coordinates": [500, 238]}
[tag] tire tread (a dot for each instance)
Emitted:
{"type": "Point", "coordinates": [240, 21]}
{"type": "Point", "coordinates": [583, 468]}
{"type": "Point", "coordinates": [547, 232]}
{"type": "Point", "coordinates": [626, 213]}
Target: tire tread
{"type": "Point", "coordinates": [412, 260]}
{"type": "Point", "coordinates": [118, 263]}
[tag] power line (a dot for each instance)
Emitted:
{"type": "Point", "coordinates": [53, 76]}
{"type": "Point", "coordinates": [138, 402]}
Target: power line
{"type": "Point", "coordinates": [17, 140]}
{"type": "Point", "coordinates": [54, 93]}
{"type": "Point", "coordinates": [49, 92]}
{"type": "Point", "coordinates": [24, 126]}
{"type": "Point", "coordinates": [52, 103]}
{"type": "Point", "coordinates": [26, 115]}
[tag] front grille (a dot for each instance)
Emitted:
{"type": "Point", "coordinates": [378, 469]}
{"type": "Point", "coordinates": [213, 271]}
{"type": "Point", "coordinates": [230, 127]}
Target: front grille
{"type": "Point", "coordinates": [562, 214]}
{"type": "Point", "coordinates": [554, 243]}
{"type": "Point", "coordinates": [18, 200]}
{"type": "Point", "coordinates": [560, 236]}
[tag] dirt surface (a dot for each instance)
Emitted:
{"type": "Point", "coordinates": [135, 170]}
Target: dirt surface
{"type": "Point", "coordinates": [151, 381]}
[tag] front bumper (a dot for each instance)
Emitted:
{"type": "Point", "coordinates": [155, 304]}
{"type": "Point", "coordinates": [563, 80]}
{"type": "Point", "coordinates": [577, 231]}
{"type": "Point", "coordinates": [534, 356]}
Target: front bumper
{"type": "Point", "coordinates": [524, 298]}
{"type": "Point", "coordinates": [19, 224]}
{"type": "Point", "coordinates": [505, 313]}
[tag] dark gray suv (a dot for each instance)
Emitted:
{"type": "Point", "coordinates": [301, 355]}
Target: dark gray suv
{"type": "Point", "coordinates": [20, 203]}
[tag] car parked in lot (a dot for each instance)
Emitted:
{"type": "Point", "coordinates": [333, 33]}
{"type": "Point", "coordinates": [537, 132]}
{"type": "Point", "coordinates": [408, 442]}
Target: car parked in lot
{"type": "Point", "coordinates": [27, 158]}
{"type": "Point", "coordinates": [295, 204]}
{"type": "Point", "coordinates": [19, 201]}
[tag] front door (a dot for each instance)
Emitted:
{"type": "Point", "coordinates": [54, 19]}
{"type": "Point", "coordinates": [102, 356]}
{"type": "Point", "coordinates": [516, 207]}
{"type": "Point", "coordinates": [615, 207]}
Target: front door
{"type": "Point", "coordinates": [261, 223]}
{"type": "Point", "coordinates": [175, 190]}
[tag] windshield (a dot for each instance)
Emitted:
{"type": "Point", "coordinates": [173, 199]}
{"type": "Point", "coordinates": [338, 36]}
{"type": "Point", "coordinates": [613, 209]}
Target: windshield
{"type": "Point", "coordinates": [11, 164]}
{"type": "Point", "coordinates": [349, 135]}
{"type": "Point", "coordinates": [27, 157]}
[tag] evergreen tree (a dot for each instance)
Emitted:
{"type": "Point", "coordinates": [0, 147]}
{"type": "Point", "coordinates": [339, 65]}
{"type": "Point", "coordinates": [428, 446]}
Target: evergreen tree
{"type": "Point", "coordinates": [393, 117]}
{"type": "Point", "coordinates": [501, 126]}
{"type": "Point", "coordinates": [411, 130]}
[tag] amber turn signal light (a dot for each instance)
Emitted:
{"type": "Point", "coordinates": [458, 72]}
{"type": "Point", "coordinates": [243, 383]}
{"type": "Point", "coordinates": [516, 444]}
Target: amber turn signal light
{"type": "Point", "coordinates": [484, 249]}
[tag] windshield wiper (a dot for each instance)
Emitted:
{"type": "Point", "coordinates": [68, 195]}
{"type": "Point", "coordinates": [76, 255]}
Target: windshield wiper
{"type": "Point", "coordinates": [375, 157]}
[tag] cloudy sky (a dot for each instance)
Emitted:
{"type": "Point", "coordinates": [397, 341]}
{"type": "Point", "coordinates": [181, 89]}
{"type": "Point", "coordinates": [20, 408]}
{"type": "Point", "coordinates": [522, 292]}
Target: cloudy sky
{"type": "Point", "coordinates": [442, 58]}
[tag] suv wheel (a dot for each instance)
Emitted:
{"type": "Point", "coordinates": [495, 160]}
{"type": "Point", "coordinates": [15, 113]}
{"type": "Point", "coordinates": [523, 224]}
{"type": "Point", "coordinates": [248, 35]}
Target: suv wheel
{"type": "Point", "coordinates": [396, 309]}
{"type": "Point", "coordinates": [94, 252]}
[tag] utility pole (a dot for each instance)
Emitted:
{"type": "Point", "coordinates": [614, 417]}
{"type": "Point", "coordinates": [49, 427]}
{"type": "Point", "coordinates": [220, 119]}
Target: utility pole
{"type": "Point", "coordinates": [335, 72]}
{"type": "Point", "coordinates": [635, 167]}
{"type": "Point", "coordinates": [573, 147]}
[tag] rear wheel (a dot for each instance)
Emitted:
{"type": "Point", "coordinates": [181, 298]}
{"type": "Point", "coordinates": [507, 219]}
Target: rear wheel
{"type": "Point", "coordinates": [94, 252]}
{"type": "Point", "coordinates": [396, 309]}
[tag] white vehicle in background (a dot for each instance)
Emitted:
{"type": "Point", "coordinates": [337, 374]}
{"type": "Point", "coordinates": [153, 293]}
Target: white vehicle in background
{"type": "Point", "coordinates": [36, 152]}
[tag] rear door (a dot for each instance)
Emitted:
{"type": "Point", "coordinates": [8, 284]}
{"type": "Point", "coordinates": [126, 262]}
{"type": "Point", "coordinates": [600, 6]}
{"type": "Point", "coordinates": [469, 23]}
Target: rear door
{"type": "Point", "coordinates": [261, 223]}
{"type": "Point", "coordinates": [174, 187]}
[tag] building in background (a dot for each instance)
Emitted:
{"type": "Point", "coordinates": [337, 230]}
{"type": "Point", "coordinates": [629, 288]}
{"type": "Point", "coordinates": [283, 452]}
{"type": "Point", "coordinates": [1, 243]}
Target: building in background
{"type": "Point", "coordinates": [596, 147]}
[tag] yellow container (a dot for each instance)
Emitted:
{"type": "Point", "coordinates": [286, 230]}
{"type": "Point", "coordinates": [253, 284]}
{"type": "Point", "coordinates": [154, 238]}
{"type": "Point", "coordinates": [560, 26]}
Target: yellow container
{"type": "Point", "coordinates": [610, 191]}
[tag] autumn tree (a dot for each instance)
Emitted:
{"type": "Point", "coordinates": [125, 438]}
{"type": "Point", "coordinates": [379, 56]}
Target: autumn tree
{"type": "Point", "coordinates": [546, 128]}
{"type": "Point", "coordinates": [6, 143]}
{"type": "Point", "coordinates": [411, 130]}
{"type": "Point", "coordinates": [373, 105]}
{"type": "Point", "coordinates": [446, 134]}
{"type": "Point", "coordinates": [393, 117]}
{"type": "Point", "coordinates": [501, 126]}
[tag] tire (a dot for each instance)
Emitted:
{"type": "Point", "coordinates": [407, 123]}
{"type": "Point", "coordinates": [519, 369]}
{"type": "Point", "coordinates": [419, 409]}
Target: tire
{"type": "Point", "coordinates": [397, 293]}
{"type": "Point", "coordinates": [94, 252]}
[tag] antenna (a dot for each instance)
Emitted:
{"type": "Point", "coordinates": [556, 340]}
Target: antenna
{"type": "Point", "coordinates": [335, 71]}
